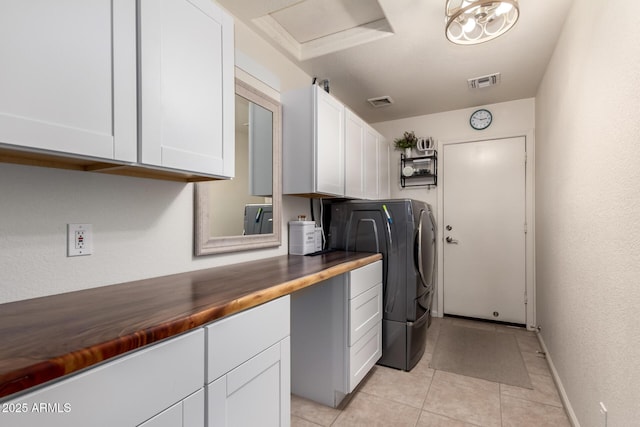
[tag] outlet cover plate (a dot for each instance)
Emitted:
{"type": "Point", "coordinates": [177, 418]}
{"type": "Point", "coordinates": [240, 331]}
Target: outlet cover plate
{"type": "Point", "coordinates": [79, 239]}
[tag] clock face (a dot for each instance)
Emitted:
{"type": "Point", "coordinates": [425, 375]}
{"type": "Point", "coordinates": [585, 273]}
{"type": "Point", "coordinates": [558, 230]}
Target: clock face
{"type": "Point", "coordinates": [480, 119]}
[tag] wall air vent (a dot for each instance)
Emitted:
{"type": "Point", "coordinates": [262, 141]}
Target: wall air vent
{"type": "Point", "coordinates": [381, 101]}
{"type": "Point", "coordinates": [484, 81]}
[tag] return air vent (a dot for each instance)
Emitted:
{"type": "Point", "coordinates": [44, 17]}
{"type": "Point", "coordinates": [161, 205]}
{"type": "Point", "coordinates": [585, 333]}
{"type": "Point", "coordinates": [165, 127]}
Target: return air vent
{"type": "Point", "coordinates": [381, 101]}
{"type": "Point", "coordinates": [484, 81]}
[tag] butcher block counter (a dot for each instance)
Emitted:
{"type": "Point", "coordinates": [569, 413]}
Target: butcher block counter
{"type": "Point", "coordinates": [46, 338]}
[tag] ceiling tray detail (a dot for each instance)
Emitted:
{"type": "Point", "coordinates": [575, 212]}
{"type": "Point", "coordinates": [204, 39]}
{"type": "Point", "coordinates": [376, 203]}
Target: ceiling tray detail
{"type": "Point", "coordinates": [313, 28]}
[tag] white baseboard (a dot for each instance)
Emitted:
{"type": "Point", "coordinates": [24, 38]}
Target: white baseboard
{"type": "Point", "coordinates": [556, 379]}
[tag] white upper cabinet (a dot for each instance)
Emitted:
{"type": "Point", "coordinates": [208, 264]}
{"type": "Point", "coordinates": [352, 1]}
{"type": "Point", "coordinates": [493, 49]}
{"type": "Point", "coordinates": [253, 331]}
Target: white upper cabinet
{"type": "Point", "coordinates": [366, 166]}
{"type": "Point", "coordinates": [329, 150]}
{"type": "Point", "coordinates": [384, 176]}
{"type": "Point", "coordinates": [187, 86]}
{"type": "Point", "coordinates": [70, 88]}
{"type": "Point", "coordinates": [68, 77]}
{"type": "Point", "coordinates": [370, 164]}
{"type": "Point", "coordinates": [354, 155]}
{"type": "Point", "coordinates": [330, 144]}
{"type": "Point", "coordinates": [313, 143]}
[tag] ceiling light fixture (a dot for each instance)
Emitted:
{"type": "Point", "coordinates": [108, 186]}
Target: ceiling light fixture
{"type": "Point", "coordinates": [478, 21]}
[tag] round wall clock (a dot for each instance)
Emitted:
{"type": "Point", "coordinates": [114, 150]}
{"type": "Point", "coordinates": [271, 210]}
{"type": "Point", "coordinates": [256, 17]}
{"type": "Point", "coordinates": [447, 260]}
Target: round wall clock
{"type": "Point", "coordinates": [480, 119]}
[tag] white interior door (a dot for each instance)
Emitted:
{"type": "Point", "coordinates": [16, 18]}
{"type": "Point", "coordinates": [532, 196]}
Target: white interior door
{"type": "Point", "coordinates": [484, 229]}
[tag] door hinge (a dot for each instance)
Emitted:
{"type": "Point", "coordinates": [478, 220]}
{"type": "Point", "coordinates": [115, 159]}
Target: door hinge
{"type": "Point", "coordinates": [526, 228]}
{"type": "Point", "coordinates": [525, 157]}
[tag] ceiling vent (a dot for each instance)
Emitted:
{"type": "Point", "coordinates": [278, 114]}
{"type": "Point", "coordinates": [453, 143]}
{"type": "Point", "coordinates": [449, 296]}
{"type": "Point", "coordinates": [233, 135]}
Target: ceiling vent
{"type": "Point", "coordinates": [381, 101]}
{"type": "Point", "coordinates": [484, 81]}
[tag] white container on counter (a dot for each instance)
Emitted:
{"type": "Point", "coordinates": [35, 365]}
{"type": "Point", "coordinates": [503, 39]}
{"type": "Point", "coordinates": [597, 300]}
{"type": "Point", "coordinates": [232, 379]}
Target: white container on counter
{"type": "Point", "coordinates": [302, 237]}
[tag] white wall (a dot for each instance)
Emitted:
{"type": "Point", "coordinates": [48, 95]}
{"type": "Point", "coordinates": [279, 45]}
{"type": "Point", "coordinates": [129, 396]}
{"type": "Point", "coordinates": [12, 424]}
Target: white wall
{"type": "Point", "coordinates": [513, 118]}
{"type": "Point", "coordinates": [588, 210]}
{"type": "Point", "coordinates": [509, 118]}
{"type": "Point", "coordinates": [142, 228]}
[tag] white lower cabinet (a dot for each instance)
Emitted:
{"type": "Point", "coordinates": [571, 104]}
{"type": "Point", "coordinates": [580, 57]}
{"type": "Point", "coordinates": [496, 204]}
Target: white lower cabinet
{"type": "Point", "coordinates": [124, 392]}
{"type": "Point", "coordinates": [233, 372]}
{"type": "Point", "coordinates": [248, 367]}
{"type": "Point", "coordinates": [336, 334]}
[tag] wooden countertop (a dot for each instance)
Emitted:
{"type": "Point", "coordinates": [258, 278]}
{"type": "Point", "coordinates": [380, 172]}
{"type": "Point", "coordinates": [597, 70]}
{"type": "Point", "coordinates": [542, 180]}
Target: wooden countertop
{"type": "Point", "coordinates": [46, 338]}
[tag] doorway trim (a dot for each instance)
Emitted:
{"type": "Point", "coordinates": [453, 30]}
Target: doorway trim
{"type": "Point", "coordinates": [530, 283]}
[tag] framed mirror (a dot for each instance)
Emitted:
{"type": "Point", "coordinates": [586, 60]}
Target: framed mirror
{"type": "Point", "coordinates": [244, 213]}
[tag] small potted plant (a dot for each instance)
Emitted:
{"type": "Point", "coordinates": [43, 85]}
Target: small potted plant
{"type": "Point", "coordinates": [407, 143]}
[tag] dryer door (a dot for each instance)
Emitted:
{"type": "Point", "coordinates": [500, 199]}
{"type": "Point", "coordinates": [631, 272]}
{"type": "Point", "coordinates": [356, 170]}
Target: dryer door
{"type": "Point", "coordinates": [425, 248]}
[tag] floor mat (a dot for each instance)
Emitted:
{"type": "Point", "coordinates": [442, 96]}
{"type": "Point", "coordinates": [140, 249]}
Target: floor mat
{"type": "Point", "coordinates": [489, 355]}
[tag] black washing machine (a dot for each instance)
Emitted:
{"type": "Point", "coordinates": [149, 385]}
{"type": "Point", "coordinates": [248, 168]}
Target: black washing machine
{"type": "Point", "coordinates": [404, 232]}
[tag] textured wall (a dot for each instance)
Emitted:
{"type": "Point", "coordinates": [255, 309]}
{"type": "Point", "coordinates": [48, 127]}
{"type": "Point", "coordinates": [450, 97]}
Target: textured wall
{"type": "Point", "coordinates": [588, 210]}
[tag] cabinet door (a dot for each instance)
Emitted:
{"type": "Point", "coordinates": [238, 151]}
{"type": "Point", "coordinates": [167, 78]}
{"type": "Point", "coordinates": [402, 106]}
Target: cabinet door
{"type": "Point", "coordinates": [365, 321]}
{"type": "Point", "coordinates": [68, 77]}
{"type": "Point", "coordinates": [187, 413]}
{"type": "Point", "coordinates": [256, 393]}
{"type": "Point", "coordinates": [354, 153]}
{"type": "Point", "coordinates": [329, 144]}
{"type": "Point", "coordinates": [187, 86]}
{"type": "Point", "coordinates": [364, 354]}
{"type": "Point", "coordinates": [171, 417]}
{"type": "Point", "coordinates": [370, 163]}
{"type": "Point", "coordinates": [384, 156]}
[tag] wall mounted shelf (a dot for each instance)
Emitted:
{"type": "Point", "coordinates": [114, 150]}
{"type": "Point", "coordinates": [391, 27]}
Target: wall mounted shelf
{"type": "Point", "coordinates": [420, 171]}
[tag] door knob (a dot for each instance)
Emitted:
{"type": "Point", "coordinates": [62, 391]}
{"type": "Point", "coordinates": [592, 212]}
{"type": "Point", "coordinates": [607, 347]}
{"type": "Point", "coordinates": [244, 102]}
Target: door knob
{"type": "Point", "coordinates": [451, 240]}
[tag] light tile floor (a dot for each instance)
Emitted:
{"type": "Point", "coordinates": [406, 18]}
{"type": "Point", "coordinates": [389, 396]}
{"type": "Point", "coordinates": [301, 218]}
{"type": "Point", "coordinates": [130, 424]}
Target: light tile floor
{"type": "Point", "coordinates": [426, 397]}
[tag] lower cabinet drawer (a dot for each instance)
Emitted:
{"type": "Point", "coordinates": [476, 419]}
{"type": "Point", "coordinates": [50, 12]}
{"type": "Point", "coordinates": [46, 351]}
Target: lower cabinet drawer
{"type": "Point", "coordinates": [364, 278]}
{"type": "Point", "coordinates": [364, 354]}
{"type": "Point", "coordinates": [365, 310]}
{"type": "Point", "coordinates": [237, 338]}
{"type": "Point", "coordinates": [124, 392]}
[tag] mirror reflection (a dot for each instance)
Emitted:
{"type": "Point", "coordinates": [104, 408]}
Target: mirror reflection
{"type": "Point", "coordinates": [244, 213]}
{"type": "Point", "coordinates": [247, 207]}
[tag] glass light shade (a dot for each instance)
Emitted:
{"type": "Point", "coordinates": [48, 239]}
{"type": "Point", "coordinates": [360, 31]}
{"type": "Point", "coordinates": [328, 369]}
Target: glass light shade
{"type": "Point", "coordinates": [472, 22]}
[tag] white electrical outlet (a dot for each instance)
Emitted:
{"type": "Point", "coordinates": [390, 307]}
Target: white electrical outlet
{"type": "Point", "coordinates": [79, 239]}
